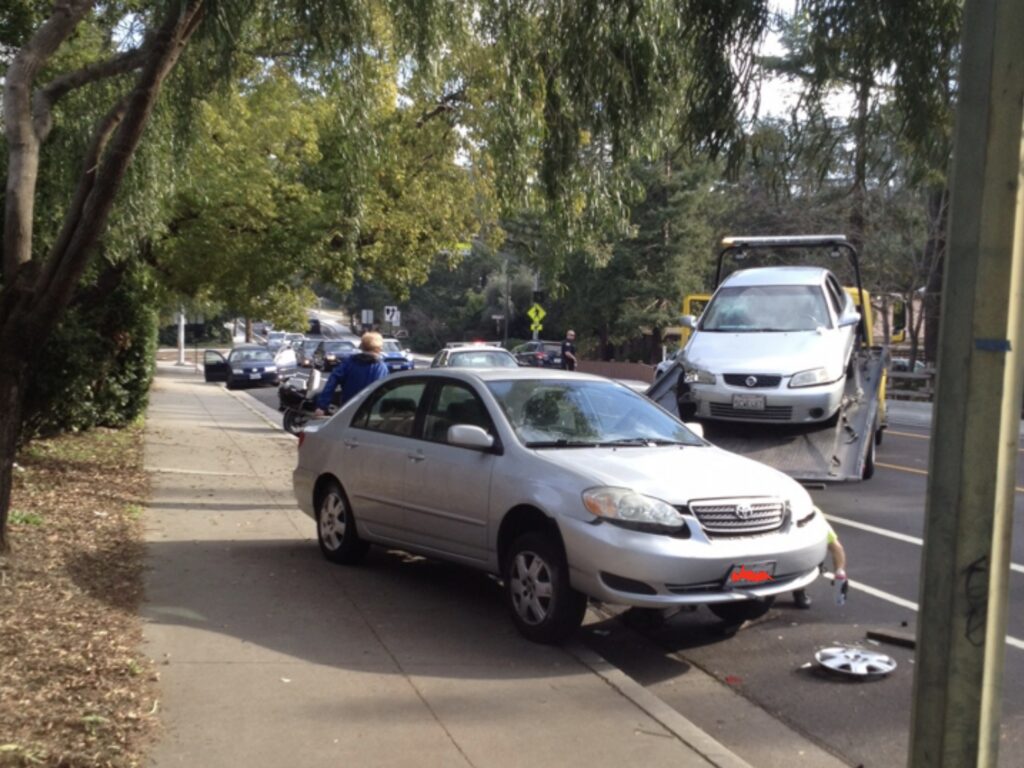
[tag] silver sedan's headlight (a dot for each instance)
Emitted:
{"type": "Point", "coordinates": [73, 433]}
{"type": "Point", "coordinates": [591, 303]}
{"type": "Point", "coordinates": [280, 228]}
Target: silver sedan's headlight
{"type": "Point", "coordinates": [698, 376]}
{"type": "Point", "coordinates": [624, 506]}
{"type": "Point", "coordinates": [810, 378]}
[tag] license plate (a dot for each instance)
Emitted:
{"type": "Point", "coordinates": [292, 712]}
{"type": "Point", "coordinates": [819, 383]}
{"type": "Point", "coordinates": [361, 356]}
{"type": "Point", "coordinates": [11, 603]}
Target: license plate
{"type": "Point", "coordinates": [748, 402]}
{"type": "Point", "coordinates": [255, 375]}
{"type": "Point", "coordinates": [751, 574]}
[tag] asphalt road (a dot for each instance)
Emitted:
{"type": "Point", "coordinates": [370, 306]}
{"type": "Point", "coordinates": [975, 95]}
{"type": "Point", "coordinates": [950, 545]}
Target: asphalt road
{"type": "Point", "coordinates": [770, 662]}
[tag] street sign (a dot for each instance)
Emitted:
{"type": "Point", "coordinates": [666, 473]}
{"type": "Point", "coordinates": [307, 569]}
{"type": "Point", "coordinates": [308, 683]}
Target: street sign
{"type": "Point", "coordinates": [389, 312]}
{"type": "Point", "coordinates": [396, 318]}
{"type": "Point", "coordinates": [536, 327]}
{"type": "Point", "coordinates": [367, 317]}
{"type": "Point", "coordinates": [536, 313]}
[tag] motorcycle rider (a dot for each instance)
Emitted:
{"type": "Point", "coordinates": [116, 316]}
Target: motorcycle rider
{"type": "Point", "coordinates": [355, 373]}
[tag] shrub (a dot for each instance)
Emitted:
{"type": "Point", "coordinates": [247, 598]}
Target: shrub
{"type": "Point", "coordinates": [97, 366]}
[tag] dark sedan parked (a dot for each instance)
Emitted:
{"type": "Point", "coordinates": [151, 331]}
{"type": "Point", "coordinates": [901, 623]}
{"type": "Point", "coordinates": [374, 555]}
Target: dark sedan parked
{"type": "Point", "coordinates": [245, 365]}
{"type": "Point", "coordinates": [543, 354]}
{"type": "Point", "coordinates": [330, 352]}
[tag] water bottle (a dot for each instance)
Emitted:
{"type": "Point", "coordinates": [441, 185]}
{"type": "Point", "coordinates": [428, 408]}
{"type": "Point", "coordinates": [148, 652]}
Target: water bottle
{"type": "Point", "coordinates": [841, 585]}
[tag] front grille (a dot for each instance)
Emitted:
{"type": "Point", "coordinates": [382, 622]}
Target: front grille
{"type": "Point", "coordinates": [739, 517]}
{"type": "Point", "coordinates": [770, 412]}
{"type": "Point", "coordinates": [763, 382]}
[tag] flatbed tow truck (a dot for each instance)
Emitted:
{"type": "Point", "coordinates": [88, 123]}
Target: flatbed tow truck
{"type": "Point", "coordinates": [842, 450]}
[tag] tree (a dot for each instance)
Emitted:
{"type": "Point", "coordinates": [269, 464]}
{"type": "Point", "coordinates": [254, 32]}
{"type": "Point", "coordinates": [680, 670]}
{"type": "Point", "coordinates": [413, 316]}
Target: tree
{"type": "Point", "coordinates": [576, 88]}
{"type": "Point", "coordinates": [245, 228]}
{"type": "Point", "coordinates": [38, 288]}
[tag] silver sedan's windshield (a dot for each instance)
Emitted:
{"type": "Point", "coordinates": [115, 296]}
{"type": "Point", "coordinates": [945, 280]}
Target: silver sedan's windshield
{"type": "Point", "coordinates": [549, 413]}
{"type": "Point", "coordinates": [766, 308]}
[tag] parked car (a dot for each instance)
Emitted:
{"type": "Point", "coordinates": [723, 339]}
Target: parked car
{"type": "Point", "coordinates": [275, 340]}
{"type": "Point", "coordinates": [566, 485]}
{"type": "Point", "coordinates": [330, 352]}
{"type": "Point", "coordinates": [545, 354]}
{"type": "Point", "coordinates": [244, 365]}
{"type": "Point", "coordinates": [902, 365]}
{"type": "Point", "coordinates": [396, 358]}
{"type": "Point", "coordinates": [773, 344]}
{"type": "Point", "coordinates": [474, 356]}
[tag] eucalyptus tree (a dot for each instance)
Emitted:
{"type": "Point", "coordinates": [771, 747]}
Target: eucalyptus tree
{"type": "Point", "coordinates": [563, 93]}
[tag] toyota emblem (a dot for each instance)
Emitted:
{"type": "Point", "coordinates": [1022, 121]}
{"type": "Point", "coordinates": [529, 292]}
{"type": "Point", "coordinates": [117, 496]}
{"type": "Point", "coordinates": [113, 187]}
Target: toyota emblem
{"type": "Point", "coordinates": [744, 511]}
{"type": "Point", "coordinates": [750, 381]}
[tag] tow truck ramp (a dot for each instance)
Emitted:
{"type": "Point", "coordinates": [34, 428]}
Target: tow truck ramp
{"type": "Point", "coordinates": [843, 451]}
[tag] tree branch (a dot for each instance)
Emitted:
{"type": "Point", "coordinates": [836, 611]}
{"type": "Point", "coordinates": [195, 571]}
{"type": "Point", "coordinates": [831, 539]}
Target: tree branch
{"type": "Point", "coordinates": [52, 92]}
{"type": "Point", "coordinates": [445, 104]}
{"type": "Point", "coordinates": [22, 142]}
{"type": "Point", "coordinates": [117, 139]}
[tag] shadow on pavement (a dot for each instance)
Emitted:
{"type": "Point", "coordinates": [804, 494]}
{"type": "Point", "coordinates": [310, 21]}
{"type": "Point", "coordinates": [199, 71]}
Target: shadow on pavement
{"type": "Point", "coordinates": [393, 613]}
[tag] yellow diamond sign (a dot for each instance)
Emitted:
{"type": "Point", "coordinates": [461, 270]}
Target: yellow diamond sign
{"type": "Point", "coordinates": [536, 313]}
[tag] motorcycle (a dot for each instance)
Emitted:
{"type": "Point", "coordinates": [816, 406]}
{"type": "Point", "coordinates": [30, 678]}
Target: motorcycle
{"type": "Point", "coordinates": [297, 399]}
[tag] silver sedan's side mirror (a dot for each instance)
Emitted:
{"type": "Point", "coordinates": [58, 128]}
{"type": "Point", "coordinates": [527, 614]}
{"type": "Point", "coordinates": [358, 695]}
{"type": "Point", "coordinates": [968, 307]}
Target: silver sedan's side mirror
{"type": "Point", "coordinates": [850, 318]}
{"type": "Point", "coordinates": [470, 436]}
{"type": "Point", "coordinates": [696, 427]}
{"type": "Point", "coordinates": [688, 321]}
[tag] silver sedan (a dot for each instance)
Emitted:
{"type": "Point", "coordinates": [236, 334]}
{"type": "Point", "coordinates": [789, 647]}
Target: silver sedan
{"type": "Point", "coordinates": [566, 486]}
{"type": "Point", "coordinates": [774, 344]}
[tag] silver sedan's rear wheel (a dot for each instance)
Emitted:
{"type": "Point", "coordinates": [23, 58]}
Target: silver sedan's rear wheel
{"type": "Point", "coordinates": [545, 607]}
{"type": "Point", "coordinates": [336, 528]}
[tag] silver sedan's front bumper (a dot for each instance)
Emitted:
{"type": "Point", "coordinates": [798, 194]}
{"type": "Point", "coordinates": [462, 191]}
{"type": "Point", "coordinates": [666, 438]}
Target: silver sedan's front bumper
{"type": "Point", "coordinates": [781, 404]}
{"type": "Point", "coordinates": [626, 567]}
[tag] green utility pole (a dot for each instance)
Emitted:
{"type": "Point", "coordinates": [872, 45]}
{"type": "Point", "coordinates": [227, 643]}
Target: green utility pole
{"type": "Point", "coordinates": [961, 631]}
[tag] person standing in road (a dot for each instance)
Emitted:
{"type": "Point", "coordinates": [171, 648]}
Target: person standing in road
{"type": "Point", "coordinates": [569, 351]}
{"type": "Point", "coordinates": [355, 373]}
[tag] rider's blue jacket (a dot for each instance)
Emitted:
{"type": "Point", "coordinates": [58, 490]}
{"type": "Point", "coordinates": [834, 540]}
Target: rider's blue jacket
{"type": "Point", "coordinates": [354, 373]}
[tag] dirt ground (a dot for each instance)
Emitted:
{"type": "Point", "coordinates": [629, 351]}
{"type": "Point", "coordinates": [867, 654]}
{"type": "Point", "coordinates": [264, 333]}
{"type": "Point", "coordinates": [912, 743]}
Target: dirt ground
{"type": "Point", "coordinates": [74, 688]}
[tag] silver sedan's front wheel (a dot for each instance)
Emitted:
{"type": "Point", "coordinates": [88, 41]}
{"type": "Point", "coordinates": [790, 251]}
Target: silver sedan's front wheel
{"type": "Point", "coordinates": [545, 607]}
{"type": "Point", "coordinates": [336, 528]}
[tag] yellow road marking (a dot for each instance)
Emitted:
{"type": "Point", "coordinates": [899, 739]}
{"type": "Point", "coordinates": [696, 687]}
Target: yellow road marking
{"type": "Point", "coordinates": [924, 472]}
{"type": "Point", "coordinates": [921, 437]}
{"type": "Point", "coordinates": [907, 434]}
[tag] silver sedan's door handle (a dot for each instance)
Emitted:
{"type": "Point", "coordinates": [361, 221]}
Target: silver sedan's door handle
{"type": "Point", "coordinates": [417, 456]}
{"type": "Point", "coordinates": [351, 443]}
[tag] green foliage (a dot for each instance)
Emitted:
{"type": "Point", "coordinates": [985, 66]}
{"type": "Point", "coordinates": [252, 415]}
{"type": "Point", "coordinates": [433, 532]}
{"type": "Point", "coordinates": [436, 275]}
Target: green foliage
{"type": "Point", "coordinates": [97, 367]}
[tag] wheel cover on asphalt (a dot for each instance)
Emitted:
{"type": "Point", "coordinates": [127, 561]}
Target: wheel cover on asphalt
{"type": "Point", "coordinates": [531, 587]}
{"type": "Point", "coordinates": [852, 660]}
{"type": "Point", "coordinates": [332, 521]}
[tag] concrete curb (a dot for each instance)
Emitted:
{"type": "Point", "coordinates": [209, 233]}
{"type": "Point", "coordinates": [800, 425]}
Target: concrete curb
{"type": "Point", "coordinates": [698, 740]}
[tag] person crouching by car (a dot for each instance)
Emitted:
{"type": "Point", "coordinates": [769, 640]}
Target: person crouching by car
{"type": "Point", "coordinates": [355, 373]}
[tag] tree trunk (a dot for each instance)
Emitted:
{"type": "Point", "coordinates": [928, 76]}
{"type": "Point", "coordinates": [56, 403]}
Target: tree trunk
{"type": "Point", "coordinates": [12, 398]}
{"type": "Point", "coordinates": [37, 291]}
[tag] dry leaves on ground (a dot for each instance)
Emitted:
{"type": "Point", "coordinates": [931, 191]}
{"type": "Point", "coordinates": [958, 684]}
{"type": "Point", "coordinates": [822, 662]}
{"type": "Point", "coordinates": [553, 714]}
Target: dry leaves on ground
{"type": "Point", "coordinates": [74, 688]}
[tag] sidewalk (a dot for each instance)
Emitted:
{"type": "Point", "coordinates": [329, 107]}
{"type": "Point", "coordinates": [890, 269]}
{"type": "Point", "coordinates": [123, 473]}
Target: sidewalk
{"type": "Point", "coordinates": [271, 656]}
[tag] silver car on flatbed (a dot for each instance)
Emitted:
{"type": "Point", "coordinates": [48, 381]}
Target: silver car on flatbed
{"type": "Point", "coordinates": [773, 344]}
{"type": "Point", "coordinates": [565, 485]}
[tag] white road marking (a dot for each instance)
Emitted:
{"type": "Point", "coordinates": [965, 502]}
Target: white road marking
{"type": "Point", "coordinates": [895, 599]}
